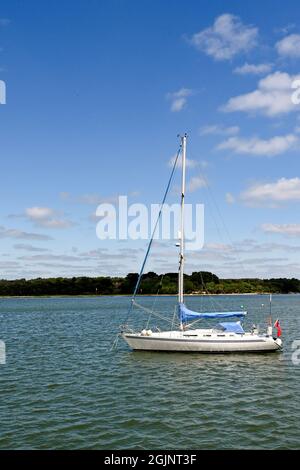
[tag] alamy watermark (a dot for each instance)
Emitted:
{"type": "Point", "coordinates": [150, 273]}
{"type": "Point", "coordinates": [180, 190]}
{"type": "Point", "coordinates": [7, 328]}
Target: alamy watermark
{"type": "Point", "coordinates": [2, 92]}
{"type": "Point", "coordinates": [293, 354]}
{"type": "Point", "coordinates": [296, 94]}
{"type": "Point", "coordinates": [296, 352]}
{"type": "Point", "coordinates": [137, 222]}
{"type": "Point", "coordinates": [2, 353]}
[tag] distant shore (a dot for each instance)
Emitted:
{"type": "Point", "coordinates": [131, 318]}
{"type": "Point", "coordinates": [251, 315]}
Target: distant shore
{"type": "Point", "coordinates": [140, 295]}
{"type": "Point", "coordinates": [198, 283]}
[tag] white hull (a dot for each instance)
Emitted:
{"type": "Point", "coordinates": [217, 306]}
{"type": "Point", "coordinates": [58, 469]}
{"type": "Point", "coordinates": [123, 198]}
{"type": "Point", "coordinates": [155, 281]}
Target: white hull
{"type": "Point", "coordinates": [230, 339]}
{"type": "Point", "coordinates": [202, 341]}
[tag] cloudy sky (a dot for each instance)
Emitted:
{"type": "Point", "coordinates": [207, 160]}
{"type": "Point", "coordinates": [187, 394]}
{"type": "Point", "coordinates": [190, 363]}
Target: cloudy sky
{"type": "Point", "coordinates": [96, 93]}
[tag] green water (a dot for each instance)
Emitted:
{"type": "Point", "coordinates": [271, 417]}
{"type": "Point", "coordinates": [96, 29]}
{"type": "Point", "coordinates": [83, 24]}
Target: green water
{"type": "Point", "coordinates": [62, 388]}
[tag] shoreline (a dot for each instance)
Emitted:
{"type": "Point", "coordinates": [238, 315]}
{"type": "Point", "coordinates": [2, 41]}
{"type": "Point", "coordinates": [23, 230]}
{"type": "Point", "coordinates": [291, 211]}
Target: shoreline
{"type": "Point", "coordinates": [146, 295]}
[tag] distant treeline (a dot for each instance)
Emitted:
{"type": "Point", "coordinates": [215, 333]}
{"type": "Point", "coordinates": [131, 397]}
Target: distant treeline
{"type": "Point", "coordinates": [152, 283]}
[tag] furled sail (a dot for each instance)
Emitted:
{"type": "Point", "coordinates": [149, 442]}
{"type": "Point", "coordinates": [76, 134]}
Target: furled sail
{"type": "Point", "coordinates": [186, 315]}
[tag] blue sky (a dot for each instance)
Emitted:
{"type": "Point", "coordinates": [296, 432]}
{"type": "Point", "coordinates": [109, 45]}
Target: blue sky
{"type": "Point", "coordinates": [97, 92]}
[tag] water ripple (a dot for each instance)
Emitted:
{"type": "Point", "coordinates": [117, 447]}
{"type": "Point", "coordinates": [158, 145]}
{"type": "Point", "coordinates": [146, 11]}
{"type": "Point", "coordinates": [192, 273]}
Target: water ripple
{"type": "Point", "coordinates": [63, 389]}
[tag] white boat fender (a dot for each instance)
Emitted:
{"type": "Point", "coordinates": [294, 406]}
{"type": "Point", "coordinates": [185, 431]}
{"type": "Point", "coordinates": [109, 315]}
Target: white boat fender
{"type": "Point", "coordinates": [148, 332]}
{"type": "Point", "coordinates": [144, 333]}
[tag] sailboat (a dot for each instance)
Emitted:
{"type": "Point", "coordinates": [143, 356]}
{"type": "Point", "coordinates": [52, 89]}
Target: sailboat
{"type": "Point", "coordinates": [224, 337]}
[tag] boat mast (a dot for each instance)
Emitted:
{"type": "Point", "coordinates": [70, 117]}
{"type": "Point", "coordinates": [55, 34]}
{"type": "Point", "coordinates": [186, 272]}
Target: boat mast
{"type": "Point", "coordinates": [181, 254]}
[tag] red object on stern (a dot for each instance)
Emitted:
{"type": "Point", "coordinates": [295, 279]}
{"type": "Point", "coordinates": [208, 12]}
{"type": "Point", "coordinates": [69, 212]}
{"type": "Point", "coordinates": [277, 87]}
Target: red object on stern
{"type": "Point", "coordinates": [278, 327]}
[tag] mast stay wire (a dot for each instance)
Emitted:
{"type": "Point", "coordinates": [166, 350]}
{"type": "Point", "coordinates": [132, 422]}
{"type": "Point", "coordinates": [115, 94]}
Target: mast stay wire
{"type": "Point", "coordinates": [152, 236]}
{"type": "Point", "coordinates": [235, 252]}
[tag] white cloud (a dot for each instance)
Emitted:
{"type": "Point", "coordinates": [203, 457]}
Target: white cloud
{"type": "Point", "coordinates": [104, 255]}
{"type": "Point", "coordinates": [134, 193]}
{"type": "Point", "coordinates": [8, 265]}
{"type": "Point", "coordinates": [65, 195]}
{"type": "Point", "coordinates": [4, 21]}
{"type": "Point", "coordinates": [15, 233]}
{"type": "Point", "coordinates": [229, 198]}
{"type": "Point", "coordinates": [218, 247]}
{"type": "Point", "coordinates": [285, 29]}
{"type": "Point", "coordinates": [255, 146]}
{"type": "Point", "coordinates": [195, 183]}
{"type": "Point", "coordinates": [253, 69]}
{"type": "Point", "coordinates": [216, 129]}
{"type": "Point", "coordinates": [272, 194]}
{"type": "Point", "coordinates": [39, 213]}
{"type": "Point", "coordinates": [272, 97]}
{"type": "Point", "coordinates": [289, 46]}
{"type": "Point", "coordinates": [71, 267]}
{"type": "Point", "coordinates": [283, 229]}
{"type": "Point", "coordinates": [56, 223]}
{"type": "Point", "coordinates": [189, 163]}
{"type": "Point", "coordinates": [27, 247]}
{"type": "Point", "coordinates": [179, 99]}
{"type": "Point", "coordinates": [49, 257]}
{"type": "Point", "coordinates": [92, 198]}
{"type": "Point", "coordinates": [250, 246]}
{"type": "Point", "coordinates": [226, 38]}
{"type": "Point", "coordinates": [47, 217]}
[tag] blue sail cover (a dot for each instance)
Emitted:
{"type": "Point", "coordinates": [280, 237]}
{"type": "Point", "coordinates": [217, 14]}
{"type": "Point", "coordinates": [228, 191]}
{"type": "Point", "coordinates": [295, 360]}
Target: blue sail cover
{"type": "Point", "coordinates": [186, 315]}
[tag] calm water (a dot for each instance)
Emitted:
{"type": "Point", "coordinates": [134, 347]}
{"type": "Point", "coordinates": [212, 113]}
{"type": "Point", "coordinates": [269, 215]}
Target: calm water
{"type": "Point", "coordinates": [62, 388]}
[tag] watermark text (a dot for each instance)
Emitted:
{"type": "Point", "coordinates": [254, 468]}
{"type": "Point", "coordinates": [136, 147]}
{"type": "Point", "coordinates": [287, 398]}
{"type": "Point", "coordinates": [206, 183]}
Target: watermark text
{"type": "Point", "coordinates": [296, 94]}
{"type": "Point", "coordinates": [2, 92]}
{"type": "Point", "coordinates": [138, 222]}
{"type": "Point", "coordinates": [2, 353]}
